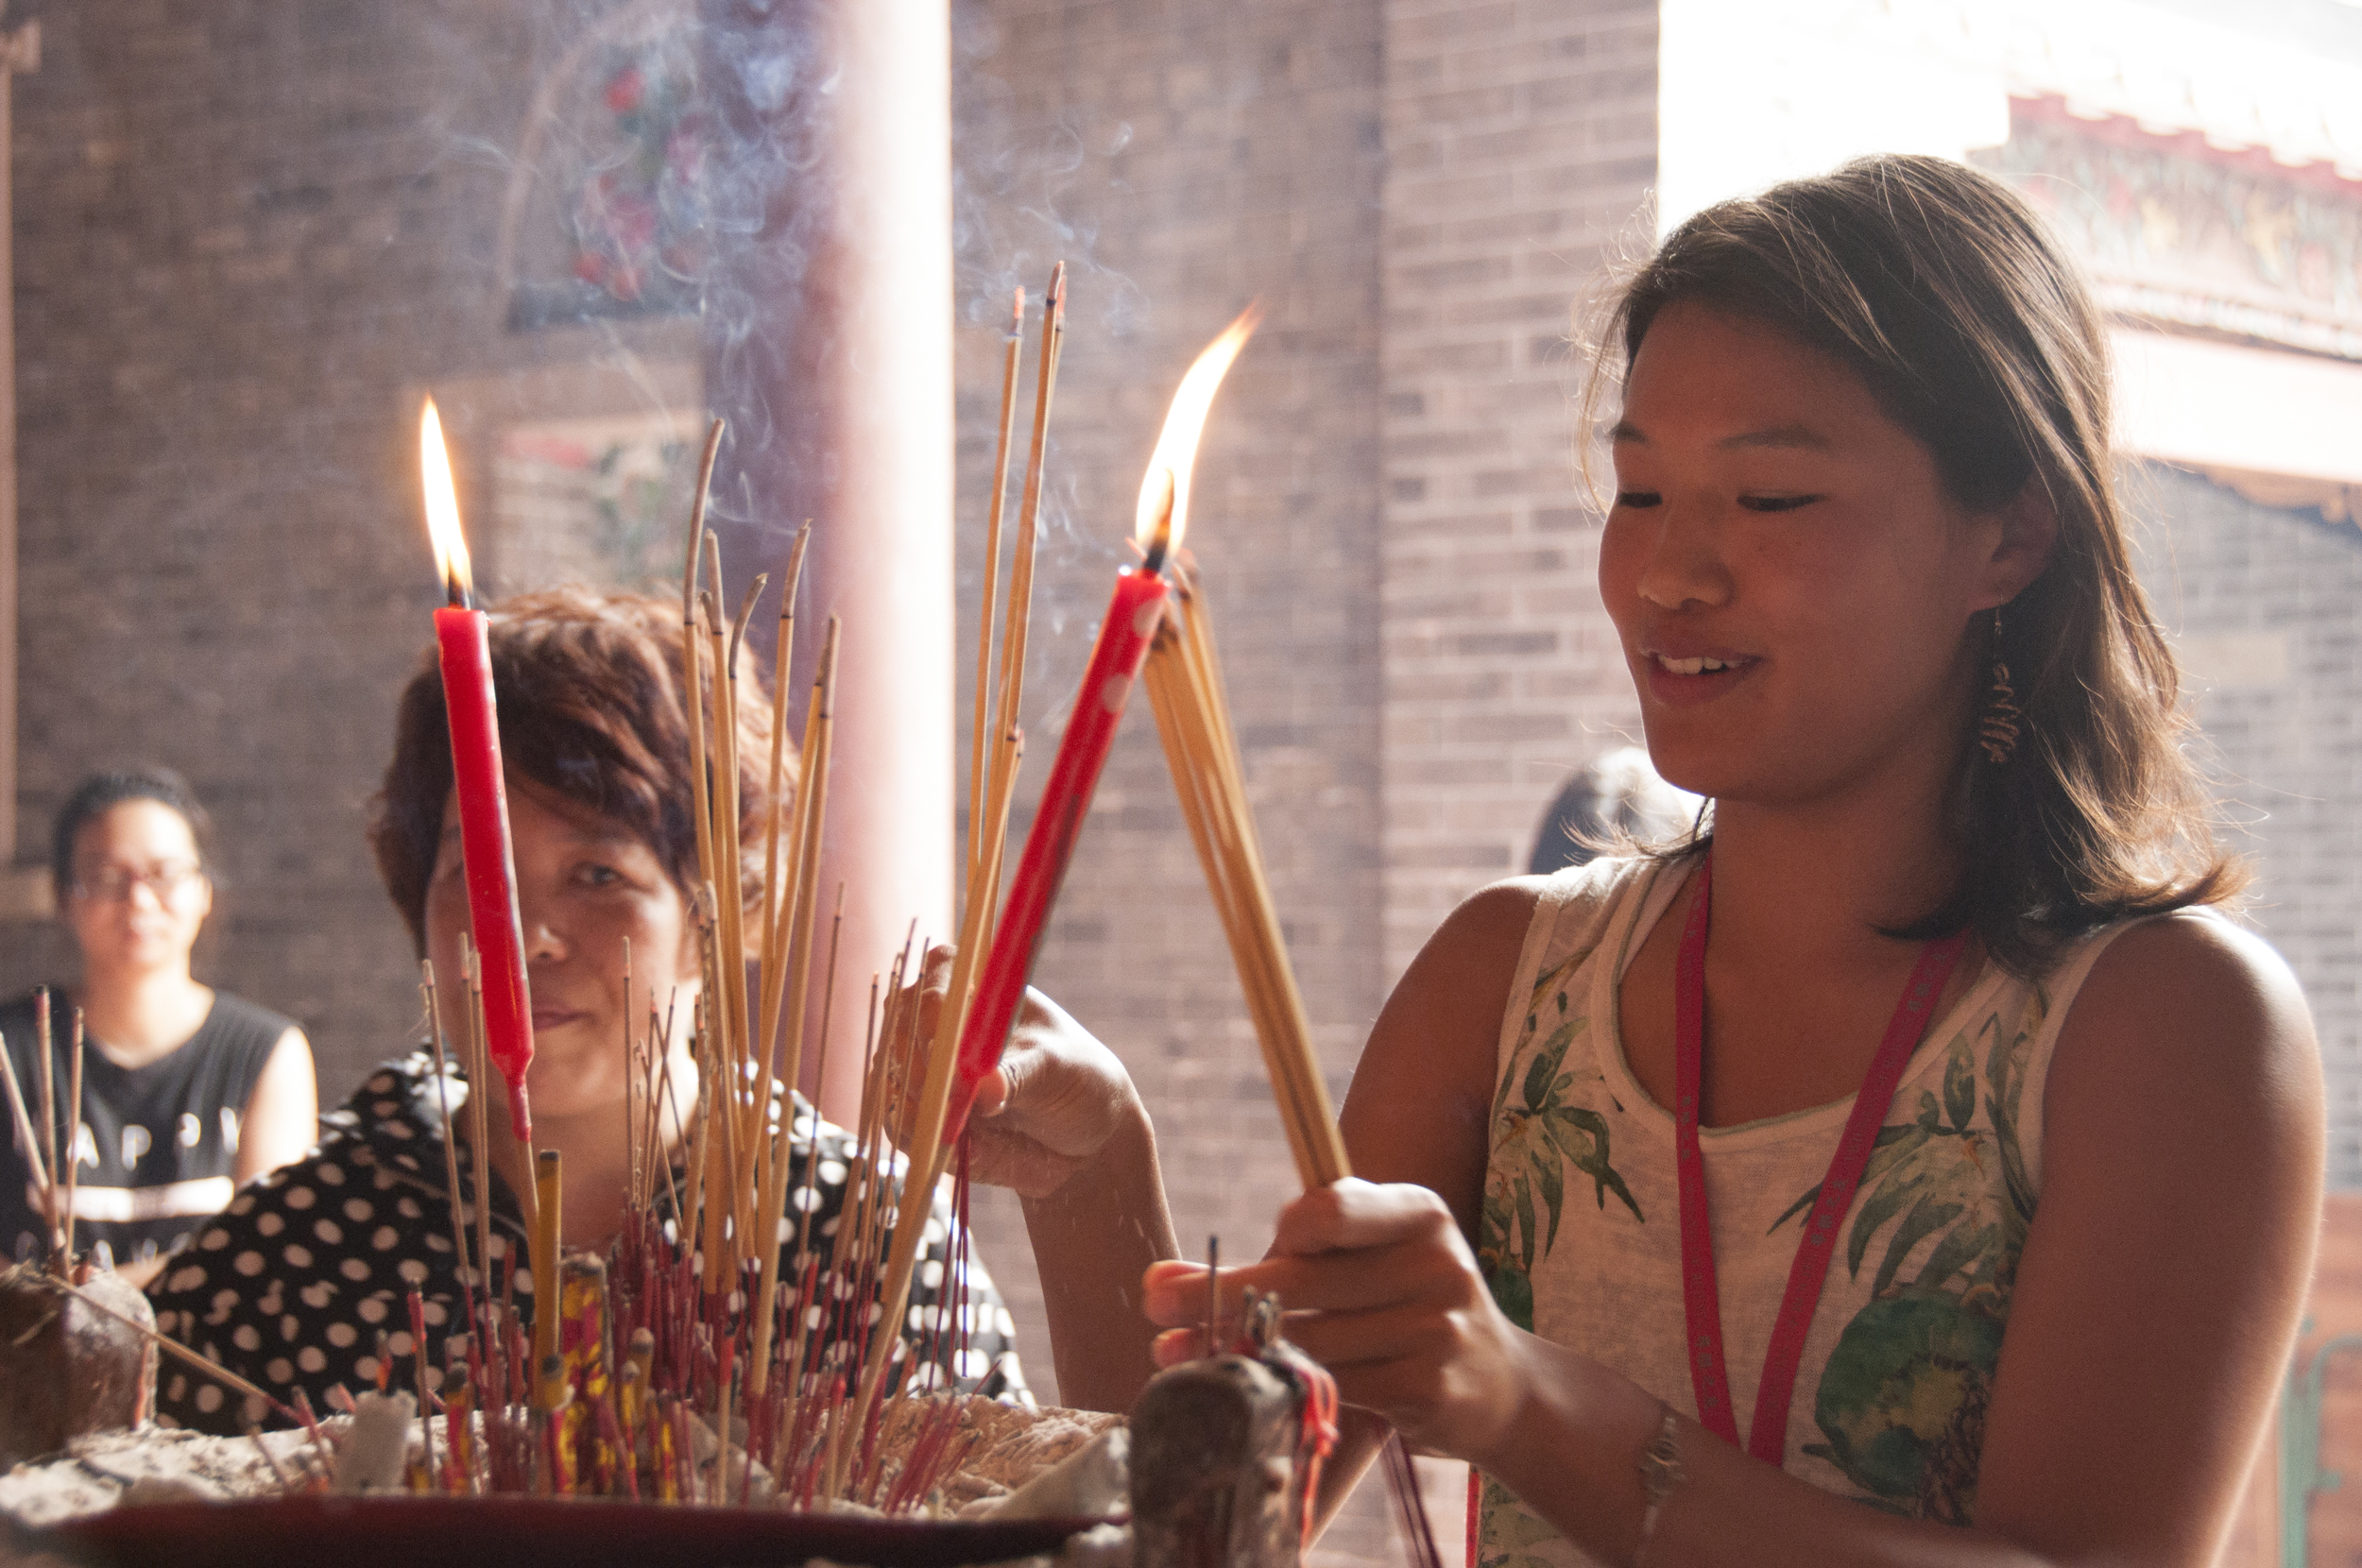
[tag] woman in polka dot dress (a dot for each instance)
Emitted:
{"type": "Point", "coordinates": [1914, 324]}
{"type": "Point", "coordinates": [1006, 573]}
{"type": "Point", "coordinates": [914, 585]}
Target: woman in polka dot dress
{"type": "Point", "coordinates": [293, 1285]}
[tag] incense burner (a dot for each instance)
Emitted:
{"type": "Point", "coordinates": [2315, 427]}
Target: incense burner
{"type": "Point", "coordinates": [1225, 1455]}
{"type": "Point", "coordinates": [67, 1369]}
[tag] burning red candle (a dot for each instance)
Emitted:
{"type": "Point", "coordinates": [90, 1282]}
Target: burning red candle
{"type": "Point", "coordinates": [475, 765]}
{"type": "Point", "coordinates": [1125, 637]}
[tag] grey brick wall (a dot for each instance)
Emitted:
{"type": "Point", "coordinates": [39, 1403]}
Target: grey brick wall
{"type": "Point", "coordinates": [2266, 606]}
{"type": "Point", "coordinates": [1186, 159]}
{"type": "Point", "coordinates": [1521, 142]}
{"type": "Point", "coordinates": [243, 241]}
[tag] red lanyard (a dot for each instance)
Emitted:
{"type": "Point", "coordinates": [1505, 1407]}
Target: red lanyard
{"type": "Point", "coordinates": [1702, 1305]}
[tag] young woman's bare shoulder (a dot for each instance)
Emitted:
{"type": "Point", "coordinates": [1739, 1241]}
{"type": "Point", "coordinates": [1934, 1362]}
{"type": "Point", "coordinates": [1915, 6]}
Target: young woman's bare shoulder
{"type": "Point", "coordinates": [2191, 1007]}
{"type": "Point", "coordinates": [1421, 1091]}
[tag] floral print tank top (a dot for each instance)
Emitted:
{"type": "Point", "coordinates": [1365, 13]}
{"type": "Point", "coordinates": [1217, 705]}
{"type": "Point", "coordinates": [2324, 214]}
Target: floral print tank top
{"type": "Point", "coordinates": [1581, 1235]}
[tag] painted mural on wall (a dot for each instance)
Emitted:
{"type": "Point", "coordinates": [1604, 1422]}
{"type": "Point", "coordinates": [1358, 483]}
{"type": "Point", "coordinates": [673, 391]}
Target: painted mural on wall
{"type": "Point", "coordinates": [607, 215]}
{"type": "Point", "coordinates": [594, 501]}
{"type": "Point", "coordinates": [2184, 234]}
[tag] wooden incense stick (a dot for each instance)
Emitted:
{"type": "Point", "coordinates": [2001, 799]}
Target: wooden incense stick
{"type": "Point", "coordinates": [693, 662]}
{"type": "Point", "coordinates": [479, 1119]}
{"type": "Point", "coordinates": [549, 1182]}
{"type": "Point", "coordinates": [1012, 369]}
{"type": "Point", "coordinates": [774, 1208]}
{"type": "Point", "coordinates": [31, 1139]}
{"type": "Point", "coordinates": [50, 1193]}
{"type": "Point", "coordinates": [450, 1132]}
{"type": "Point", "coordinates": [1017, 624]}
{"type": "Point", "coordinates": [800, 909]}
{"type": "Point", "coordinates": [769, 979]}
{"type": "Point", "coordinates": [722, 736]}
{"type": "Point", "coordinates": [74, 1136]}
{"type": "Point", "coordinates": [791, 932]}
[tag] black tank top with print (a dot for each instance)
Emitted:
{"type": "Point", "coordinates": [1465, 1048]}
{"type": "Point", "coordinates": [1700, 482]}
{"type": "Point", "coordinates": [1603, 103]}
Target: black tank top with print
{"type": "Point", "coordinates": [158, 1144]}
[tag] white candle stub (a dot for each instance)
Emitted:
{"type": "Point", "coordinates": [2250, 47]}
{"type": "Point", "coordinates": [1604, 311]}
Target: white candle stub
{"type": "Point", "coordinates": [377, 1447]}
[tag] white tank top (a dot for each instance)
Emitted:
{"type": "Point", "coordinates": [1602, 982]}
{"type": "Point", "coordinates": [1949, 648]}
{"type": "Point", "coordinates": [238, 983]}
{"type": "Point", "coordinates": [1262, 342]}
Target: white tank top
{"type": "Point", "coordinates": [1581, 1234]}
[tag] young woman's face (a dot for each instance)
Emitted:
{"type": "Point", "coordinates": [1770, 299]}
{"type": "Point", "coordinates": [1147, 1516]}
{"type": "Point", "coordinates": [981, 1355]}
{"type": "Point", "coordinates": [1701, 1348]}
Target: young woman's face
{"type": "Point", "coordinates": [1793, 589]}
{"type": "Point", "coordinates": [586, 886]}
{"type": "Point", "coordinates": [140, 894]}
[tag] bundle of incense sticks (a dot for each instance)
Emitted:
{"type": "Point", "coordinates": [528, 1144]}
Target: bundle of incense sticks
{"type": "Point", "coordinates": [992, 792]}
{"type": "Point", "coordinates": [1184, 688]}
{"type": "Point", "coordinates": [698, 1320]}
{"type": "Point", "coordinates": [1184, 681]}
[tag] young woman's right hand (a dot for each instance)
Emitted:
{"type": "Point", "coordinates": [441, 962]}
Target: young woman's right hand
{"type": "Point", "coordinates": [1381, 1289]}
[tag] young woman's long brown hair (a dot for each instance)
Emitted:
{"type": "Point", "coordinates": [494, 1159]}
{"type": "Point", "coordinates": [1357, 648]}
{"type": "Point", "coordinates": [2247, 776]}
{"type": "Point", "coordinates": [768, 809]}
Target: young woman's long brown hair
{"type": "Point", "coordinates": [1939, 287]}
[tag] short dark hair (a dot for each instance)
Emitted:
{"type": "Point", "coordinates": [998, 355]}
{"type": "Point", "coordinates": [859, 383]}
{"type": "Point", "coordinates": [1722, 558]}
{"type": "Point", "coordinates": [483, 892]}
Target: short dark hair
{"type": "Point", "coordinates": [1939, 287]}
{"type": "Point", "coordinates": [588, 684]}
{"type": "Point", "coordinates": [102, 792]}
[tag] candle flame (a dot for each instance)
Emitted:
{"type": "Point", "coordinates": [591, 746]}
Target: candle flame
{"type": "Point", "coordinates": [442, 507]}
{"type": "Point", "coordinates": [1164, 508]}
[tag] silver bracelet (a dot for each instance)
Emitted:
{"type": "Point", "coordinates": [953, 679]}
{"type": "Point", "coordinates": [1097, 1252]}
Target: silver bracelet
{"type": "Point", "coordinates": [1661, 1475]}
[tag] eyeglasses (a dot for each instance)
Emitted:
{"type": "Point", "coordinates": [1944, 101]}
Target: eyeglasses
{"type": "Point", "coordinates": [113, 884]}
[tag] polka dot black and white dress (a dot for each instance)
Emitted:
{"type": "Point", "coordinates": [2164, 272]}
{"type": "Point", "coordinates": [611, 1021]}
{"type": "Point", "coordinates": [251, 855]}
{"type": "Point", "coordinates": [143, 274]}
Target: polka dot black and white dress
{"type": "Point", "coordinates": [290, 1287]}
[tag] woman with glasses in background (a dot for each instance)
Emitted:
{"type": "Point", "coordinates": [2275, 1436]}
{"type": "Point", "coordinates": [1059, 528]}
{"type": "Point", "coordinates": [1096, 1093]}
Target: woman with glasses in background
{"type": "Point", "coordinates": [188, 1093]}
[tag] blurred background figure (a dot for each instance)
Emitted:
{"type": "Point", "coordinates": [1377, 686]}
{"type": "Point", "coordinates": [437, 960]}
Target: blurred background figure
{"type": "Point", "coordinates": [1616, 797]}
{"type": "Point", "coordinates": [188, 1093]}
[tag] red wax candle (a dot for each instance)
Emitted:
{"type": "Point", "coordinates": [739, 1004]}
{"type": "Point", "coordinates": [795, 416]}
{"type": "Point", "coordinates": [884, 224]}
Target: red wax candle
{"type": "Point", "coordinates": [1115, 664]}
{"type": "Point", "coordinates": [492, 914]}
{"type": "Point", "coordinates": [466, 657]}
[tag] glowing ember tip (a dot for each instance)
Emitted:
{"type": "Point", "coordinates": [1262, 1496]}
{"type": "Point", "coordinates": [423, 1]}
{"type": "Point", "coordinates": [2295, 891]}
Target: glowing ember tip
{"type": "Point", "coordinates": [442, 508]}
{"type": "Point", "coordinates": [1164, 510]}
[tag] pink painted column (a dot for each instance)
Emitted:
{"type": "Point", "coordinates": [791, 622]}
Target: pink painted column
{"type": "Point", "coordinates": [829, 349]}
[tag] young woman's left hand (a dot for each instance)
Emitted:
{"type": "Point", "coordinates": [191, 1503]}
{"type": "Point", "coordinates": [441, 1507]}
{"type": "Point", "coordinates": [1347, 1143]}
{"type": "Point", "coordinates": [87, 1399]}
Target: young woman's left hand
{"type": "Point", "coordinates": [1381, 1289]}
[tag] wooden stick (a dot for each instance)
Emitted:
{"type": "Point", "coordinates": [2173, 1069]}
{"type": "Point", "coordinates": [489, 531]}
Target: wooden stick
{"type": "Point", "coordinates": [722, 1017]}
{"type": "Point", "coordinates": [49, 1126]}
{"type": "Point", "coordinates": [479, 1119]}
{"type": "Point", "coordinates": [73, 1139]}
{"type": "Point", "coordinates": [729, 869]}
{"type": "Point", "coordinates": [795, 944]}
{"type": "Point", "coordinates": [32, 1143]}
{"type": "Point", "coordinates": [1012, 369]}
{"type": "Point", "coordinates": [549, 1191]}
{"type": "Point", "coordinates": [1017, 631]}
{"type": "Point", "coordinates": [631, 1060]}
{"type": "Point", "coordinates": [451, 1134]}
{"type": "Point", "coordinates": [804, 898]}
{"type": "Point", "coordinates": [773, 1208]}
{"type": "Point", "coordinates": [767, 990]}
{"type": "Point", "coordinates": [693, 662]}
{"type": "Point", "coordinates": [753, 1089]}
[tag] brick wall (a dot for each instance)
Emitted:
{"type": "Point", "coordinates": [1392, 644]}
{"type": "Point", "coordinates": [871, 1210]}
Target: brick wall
{"type": "Point", "coordinates": [1185, 160]}
{"type": "Point", "coordinates": [2267, 608]}
{"type": "Point", "coordinates": [245, 236]}
{"type": "Point", "coordinates": [1521, 142]}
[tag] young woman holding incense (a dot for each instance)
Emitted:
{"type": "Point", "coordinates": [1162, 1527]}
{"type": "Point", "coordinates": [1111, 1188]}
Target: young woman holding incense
{"type": "Point", "coordinates": [292, 1286]}
{"type": "Point", "coordinates": [187, 1092]}
{"type": "Point", "coordinates": [1915, 1133]}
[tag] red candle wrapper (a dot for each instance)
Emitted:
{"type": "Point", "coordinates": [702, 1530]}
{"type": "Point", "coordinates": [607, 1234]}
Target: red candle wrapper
{"type": "Point", "coordinates": [1123, 641]}
{"type": "Point", "coordinates": [498, 928]}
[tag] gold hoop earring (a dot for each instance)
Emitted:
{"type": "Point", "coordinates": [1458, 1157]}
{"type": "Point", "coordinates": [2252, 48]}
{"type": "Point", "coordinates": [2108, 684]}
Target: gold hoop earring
{"type": "Point", "coordinates": [1997, 732]}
